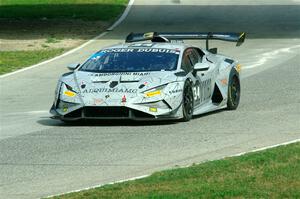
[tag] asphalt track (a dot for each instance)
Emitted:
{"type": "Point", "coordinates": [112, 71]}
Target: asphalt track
{"type": "Point", "coordinates": [41, 157]}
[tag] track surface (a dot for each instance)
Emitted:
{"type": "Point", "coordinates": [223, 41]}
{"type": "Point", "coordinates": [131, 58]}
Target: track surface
{"type": "Point", "coordinates": [40, 156]}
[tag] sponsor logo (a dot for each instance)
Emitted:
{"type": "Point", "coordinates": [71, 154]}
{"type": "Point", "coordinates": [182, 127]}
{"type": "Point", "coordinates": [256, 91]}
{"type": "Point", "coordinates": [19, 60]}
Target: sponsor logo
{"type": "Point", "coordinates": [98, 101]}
{"type": "Point", "coordinates": [123, 99]}
{"type": "Point", "coordinates": [122, 73]}
{"type": "Point", "coordinates": [224, 81]}
{"type": "Point", "coordinates": [138, 50]}
{"type": "Point", "coordinates": [175, 91]}
{"type": "Point", "coordinates": [109, 90]}
{"type": "Point", "coordinates": [82, 85]}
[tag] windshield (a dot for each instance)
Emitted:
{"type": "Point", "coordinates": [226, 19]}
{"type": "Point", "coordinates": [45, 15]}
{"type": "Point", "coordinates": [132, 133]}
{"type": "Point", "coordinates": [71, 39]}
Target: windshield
{"type": "Point", "coordinates": [132, 60]}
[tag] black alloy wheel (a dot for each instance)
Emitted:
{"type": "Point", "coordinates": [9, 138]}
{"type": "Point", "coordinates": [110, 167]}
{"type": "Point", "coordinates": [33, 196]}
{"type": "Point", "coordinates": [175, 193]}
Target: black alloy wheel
{"type": "Point", "coordinates": [234, 93]}
{"type": "Point", "coordinates": [188, 102]}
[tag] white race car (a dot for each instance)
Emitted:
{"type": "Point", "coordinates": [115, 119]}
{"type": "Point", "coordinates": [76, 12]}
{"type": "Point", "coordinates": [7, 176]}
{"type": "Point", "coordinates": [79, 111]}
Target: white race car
{"type": "Point", "coordinates": [151, 76]}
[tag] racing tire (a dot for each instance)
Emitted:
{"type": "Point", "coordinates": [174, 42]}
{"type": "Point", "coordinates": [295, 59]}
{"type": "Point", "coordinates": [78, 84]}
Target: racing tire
{"type": "Point", "coordinates": [234, 93]}
{"type": "Point", "coordinates": [187, 102]}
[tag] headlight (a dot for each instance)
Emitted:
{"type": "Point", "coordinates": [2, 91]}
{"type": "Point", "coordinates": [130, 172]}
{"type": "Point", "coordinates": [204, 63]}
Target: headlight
{"type": "Point", "coordinates": [154, 91]}
{"type": "Point", "coordinates": [68, 91]}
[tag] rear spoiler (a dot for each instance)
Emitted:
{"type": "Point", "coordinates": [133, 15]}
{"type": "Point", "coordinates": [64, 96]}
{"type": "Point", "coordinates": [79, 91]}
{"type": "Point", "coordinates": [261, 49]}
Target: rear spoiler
{"type": "Point", "coordinates": [239, 38]}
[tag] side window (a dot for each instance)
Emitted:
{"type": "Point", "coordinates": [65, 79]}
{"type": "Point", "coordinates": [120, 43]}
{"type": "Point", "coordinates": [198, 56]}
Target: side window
{"type": "Point", "coordinates": [195, 57]}
{"type": "Point", "coordinates": [187, 64]}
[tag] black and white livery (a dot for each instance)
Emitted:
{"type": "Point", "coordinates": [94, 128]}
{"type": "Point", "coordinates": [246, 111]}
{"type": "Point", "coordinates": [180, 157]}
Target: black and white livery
{"type": "Point", "coordinates": [152, 76]}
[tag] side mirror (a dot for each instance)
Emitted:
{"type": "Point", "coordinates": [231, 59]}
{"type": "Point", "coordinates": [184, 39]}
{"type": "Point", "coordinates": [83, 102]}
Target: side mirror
{"type": "Point", "coordinates": [73, 66]}
{"type": "Point", "coordinates": [201, 67]}
{"type": "Point", "coordinates": [213, 50]}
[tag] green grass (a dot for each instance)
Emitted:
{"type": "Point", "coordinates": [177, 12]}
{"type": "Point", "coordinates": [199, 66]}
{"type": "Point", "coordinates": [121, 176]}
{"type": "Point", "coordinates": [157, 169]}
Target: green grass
{"type": "Point", "coordinates": [13, 60]}
{"type": "Point", "coordinates": [62, 9]}
{"type": "Point", "coordinates": [52, 20]}
{"type": "Point", "coordinates": [274, 173]}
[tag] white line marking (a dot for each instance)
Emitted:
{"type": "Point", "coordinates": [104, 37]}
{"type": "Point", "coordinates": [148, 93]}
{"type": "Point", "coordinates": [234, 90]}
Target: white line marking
{"type": "Point", "coordinates": [267, 147]}
{"type": "Point", "coordinates": [97, 186]}
{"type": "Point", "coordinates": [264, 57]}
{"type": "Point", "coordinates": [27, 113]}
{"type": "Point", "coordinates": [124, 15]}
{"type": "Point", "coordinates": [147, 175]}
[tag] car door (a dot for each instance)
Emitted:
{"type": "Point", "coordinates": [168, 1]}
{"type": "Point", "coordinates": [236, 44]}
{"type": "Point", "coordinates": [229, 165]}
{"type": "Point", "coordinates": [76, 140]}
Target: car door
{"type": "Point", "coordinates": [203, 85]}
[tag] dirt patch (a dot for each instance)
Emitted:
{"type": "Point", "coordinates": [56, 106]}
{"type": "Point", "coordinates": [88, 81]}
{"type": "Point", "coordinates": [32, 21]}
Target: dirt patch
{"type": "Point", "coordinates": [16, 35]}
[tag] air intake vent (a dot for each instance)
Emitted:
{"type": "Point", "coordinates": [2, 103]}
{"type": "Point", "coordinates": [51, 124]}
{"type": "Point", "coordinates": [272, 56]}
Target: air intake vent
{"type": "Point", "coordinates": [217, 97]}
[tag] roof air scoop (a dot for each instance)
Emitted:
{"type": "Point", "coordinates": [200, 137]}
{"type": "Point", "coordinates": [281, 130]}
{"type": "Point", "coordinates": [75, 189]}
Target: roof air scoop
{"type": "Point", "coordinates": [159, 39]}
{"type": "Point", "coordinates": [153, 36]}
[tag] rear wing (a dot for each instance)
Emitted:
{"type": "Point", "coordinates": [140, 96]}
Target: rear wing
{"type": "Point", "coordinates": [239, 38]}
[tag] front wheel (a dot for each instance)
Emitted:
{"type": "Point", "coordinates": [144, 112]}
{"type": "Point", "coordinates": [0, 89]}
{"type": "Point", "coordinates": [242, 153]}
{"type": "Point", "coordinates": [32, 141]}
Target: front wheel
{"type": "Point", "coordinates": [234, 93]}
{"type": "Point", "coordinates": [187, 102]}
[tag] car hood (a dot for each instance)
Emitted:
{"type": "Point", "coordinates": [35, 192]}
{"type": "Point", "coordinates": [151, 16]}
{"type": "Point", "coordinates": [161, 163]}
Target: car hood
{"type": "Point", "coordinates": [113, 89]}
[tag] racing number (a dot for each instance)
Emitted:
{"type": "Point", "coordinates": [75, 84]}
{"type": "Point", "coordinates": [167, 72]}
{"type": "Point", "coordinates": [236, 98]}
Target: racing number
{"type": "Point", "coordinates": [202, 91]}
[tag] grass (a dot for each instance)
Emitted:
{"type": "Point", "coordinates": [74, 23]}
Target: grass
{"type": "Point", "coordinates": [55, 21]}
{"type": "Point", "coordinates": [273, 173]}
{"type": "Point", "coordinates": [52, 40]}
{"type": "Point", "coordinates": [13, 60]}
{"type": "Point", "coordinates": [62, 9]}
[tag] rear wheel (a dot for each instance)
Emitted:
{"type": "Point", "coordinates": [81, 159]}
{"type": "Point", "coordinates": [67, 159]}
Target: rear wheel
{"type": "Point", "coordinates": [234, 93]}
{"type": "Point", "coordinates": [188, 102]}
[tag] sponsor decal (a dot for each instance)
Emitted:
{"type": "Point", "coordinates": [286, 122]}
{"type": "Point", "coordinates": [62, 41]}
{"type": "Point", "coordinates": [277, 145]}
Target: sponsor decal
{"type": "Point", "coordinates": [118, 50]}
{"type": "Point", "coordinates": [155, 50]}
{"type": "Point", "coordinates": [224, 81]}
{"type": "Point", "coordinates": [97, 101]}
{"type": "Point", "coordinates": [152, 109]}
{"type": "Point", "coordinates": [82, 85]}
{"type": "Point", "coordinates": [96, 56]}
{"type": "Point", "coordinates": [122, 73]}
{"type": "Point", "coordinates": [109, 90]}
{"type": "Point", "coordinates": [137, 50]}
{"type": "Point", "coordinates": [123, 99]}
{"type": "Point", "coordinates": [142, 45]}
{"type": "Point", "coordinates": [175, 91]}
{"type": "Point", "coordinates": [69, 93]}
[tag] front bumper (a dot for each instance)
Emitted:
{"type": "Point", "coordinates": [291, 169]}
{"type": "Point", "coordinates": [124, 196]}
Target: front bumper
{"type": "Point", "coordinates": [111, 112]}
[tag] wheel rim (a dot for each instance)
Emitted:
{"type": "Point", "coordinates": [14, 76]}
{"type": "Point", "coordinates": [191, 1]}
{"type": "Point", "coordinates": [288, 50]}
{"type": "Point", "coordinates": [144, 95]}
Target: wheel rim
{"type": "Point", "coordinates": [235, 90]}
{"type": "Point", "coordinates": [188, 101]}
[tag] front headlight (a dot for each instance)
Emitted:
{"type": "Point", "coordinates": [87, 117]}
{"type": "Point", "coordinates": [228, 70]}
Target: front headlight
{"type": "Point", "coordinates": [68, 91]}
{"type": "Point", "coordinates": [154, 91]}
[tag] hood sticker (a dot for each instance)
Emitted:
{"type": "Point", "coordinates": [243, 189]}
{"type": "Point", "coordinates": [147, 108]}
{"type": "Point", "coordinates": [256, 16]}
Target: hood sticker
{"type": "Point", "coordinates": [121, 73]}
{"type": "Point", "coordinates": [109, 90]}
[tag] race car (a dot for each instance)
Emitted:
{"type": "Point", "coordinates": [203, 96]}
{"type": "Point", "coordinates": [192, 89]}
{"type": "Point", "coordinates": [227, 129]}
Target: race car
{"type": "Point", "coordinates": [151, 76]}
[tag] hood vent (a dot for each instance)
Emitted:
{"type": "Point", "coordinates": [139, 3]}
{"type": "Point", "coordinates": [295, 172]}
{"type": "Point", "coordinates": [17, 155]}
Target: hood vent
{"type": "Point", "coordinates": [113, 84]}
{"type": "Point", "coordinates": [129, 81]}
